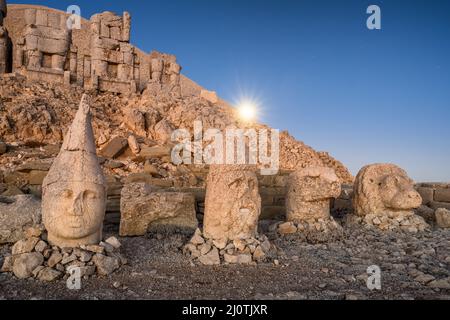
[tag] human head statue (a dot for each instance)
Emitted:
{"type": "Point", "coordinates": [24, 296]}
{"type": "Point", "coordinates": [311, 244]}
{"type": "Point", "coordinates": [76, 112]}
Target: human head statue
{"type": "Point", "coordinates": [74, 190]}
{"type": "Point", "coordinates": [309, 193]}
{"type": "Point", "coordinates": [384, 188]}
{"type": "Point", "coordinates": [232, 203]}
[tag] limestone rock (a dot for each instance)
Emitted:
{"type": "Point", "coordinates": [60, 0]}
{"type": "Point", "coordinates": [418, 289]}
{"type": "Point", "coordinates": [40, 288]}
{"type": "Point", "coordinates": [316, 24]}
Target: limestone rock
{"type": "Point", "coordinates": [211, 258]}
{"type": "Point", "coordinates": [48, 274]}
{"type": "Point", "coordinates": [114, 242]}
{"type": "Point", "coordinates": [24, 245]}
{"type": "Point", "coordinates": [74, 190]}
{"type": "Point", "coordinates": [54, 259]}
{"type": "Point", "coordinates": [114, 147]}
{"type": "Point", "coordinates": [143, 207]}
{"type": "Point", "coordinates": [105, 265]}
{"type": "Point", "coordinates": [443, 218]}
{"type": "Point", "coordinates": [16, 214]}
{"type": "Point", "coordinates": [25, 263]}
{"type": "Point", "coordinates": [232, 204]}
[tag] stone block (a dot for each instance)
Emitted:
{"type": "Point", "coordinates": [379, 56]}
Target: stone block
{"type": "Point", "coordinates": [114, 147]}
{"type": "Point", "coordinates": [54, 20]}
{"type": "Point", "coordinates": [36, 177]}
{"type": "Point", "coordinates": [442, 195]}
{"type": "Point", "coordinates": [427, 194]}
{"type": "Point", "coordinates": [155, 152]}
{"type": "Point", "coordinates": [436, 205]}
{"type": "Point", "coordinates": [41, 18]}
{"type": "Point", "coordinates": [30, 16]}
{"type": "Point", "coordinates": [143, 208]}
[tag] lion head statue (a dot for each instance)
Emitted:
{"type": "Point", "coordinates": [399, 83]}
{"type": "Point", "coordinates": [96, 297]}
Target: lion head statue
{"type": "Point", "coordinates": [381, 188]}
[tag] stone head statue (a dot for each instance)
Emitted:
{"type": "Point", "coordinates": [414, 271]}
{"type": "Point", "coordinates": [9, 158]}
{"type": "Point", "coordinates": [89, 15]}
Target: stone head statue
{"type": "Point", "coordinates": [74, 190]}
{"type": "Point", "coordinates": [233, 203]}
{"type": "Point", "coordinates": [383, 188]}
{"type": "Point", "coordinates": [309, 192]}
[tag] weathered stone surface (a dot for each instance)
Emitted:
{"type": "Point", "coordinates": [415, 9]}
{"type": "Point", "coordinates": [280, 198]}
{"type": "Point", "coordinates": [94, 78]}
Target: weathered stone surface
{"type": "Point", "coordinates": [48, 274]}
{"type": "Point", "coordinates": [16, 214]}
{"type": "Point", "coordinates": [309, 193]}
{"type": "Point", "coordinates": [211, 258]}
{"type": "Point", "coordinates": [74, 191]}
{"type": "Point", "coordinates": [114, 147]}
{"type": "Point", "coordinates": [114, 242]}
{"type": "Point", "coordinates": [54, 259]}
{"type": "Point", "coordinates": [25, 263]}
{"type": "Point", "coordinates": [143, 207]}
{"type": "Point", "coordinates": [211, 96]}
{"type": "Point", "coordinates": [24, 245]}
{"type": "Point", "coordinates": [133, 144]}
{"type": "Point", "coordinates": [163, 131]}
{"type": "Point", "coordinates": [436, 205]}
{"type": "Point", "coordinates": [105, 265]}
{"type": "Point", "coordinates": [443, 218]}
{"type": "Point", "coordinates": [155, 152]}
{"type": "Point", "coordinates": [385, 191]}
{"type": "Point", "coordinates": [233, 203]}
{"type": "Point", "coordinates": [442, 195]}
{"type": "Point", "coordinates": [427, 194]}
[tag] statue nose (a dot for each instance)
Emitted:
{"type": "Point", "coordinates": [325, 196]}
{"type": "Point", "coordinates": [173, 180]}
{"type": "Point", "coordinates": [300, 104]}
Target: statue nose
{"type": "Point", "coordinates": [78, 206]}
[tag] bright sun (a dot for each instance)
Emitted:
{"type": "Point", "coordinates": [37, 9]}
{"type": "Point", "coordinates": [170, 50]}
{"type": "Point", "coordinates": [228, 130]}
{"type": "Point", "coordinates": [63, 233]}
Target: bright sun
{"type": "Point", "coordinates": [248, 110]}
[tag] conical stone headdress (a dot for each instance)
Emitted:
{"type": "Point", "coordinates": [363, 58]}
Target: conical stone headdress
{"type": "Point", "coordinates": [77, 160]}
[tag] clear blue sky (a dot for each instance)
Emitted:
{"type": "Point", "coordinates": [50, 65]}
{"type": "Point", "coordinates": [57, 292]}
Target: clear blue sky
{"type": "Point", "coordinates": [364, 96]}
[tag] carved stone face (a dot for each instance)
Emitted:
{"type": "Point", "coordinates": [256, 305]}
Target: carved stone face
{"type": "Point", "coordinates": [232, 204]}
{"type": "Point", "coordinates": [74, 210]}
{"type": "Point", "coordinates": [381, 188]}
{"type": "Point", "coordinates": [397, 192]}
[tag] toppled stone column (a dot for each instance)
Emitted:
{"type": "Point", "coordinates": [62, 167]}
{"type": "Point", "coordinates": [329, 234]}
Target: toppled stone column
{"type": "Point", "coordinates": [143, 208]}
{"type": "Point", "coordinates": [233, 203]}
{"type": "Point", "coordinates": [74, 190]}
{"type": "Point", "coordinates": [309, 194]}
{"type": "Point", "coordinates": [384, 196]}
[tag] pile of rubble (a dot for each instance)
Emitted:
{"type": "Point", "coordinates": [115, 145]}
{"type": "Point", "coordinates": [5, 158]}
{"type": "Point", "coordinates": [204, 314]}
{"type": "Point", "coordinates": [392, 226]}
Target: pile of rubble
{"type": "Point", "coordinates": [388, 221]}
{"type": "Point", "coordinates": [314, 230]}
{"type": "Point", "coordinates": [34, 257]}
{"type": "Point", "coordinates": [239, 251]}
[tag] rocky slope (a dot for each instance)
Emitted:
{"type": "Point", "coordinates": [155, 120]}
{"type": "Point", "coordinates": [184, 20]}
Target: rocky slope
{"type": "Point", "coordinates": [35, 115]}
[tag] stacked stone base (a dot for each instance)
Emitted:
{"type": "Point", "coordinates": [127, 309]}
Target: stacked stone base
{"type": "Point", "coordinates": [33, 257]}
{"type": "Point", "coordinates": [312, 230]}
{"type": "Point", "coordinates": [239, 251]}
{"type": "Point", "coordinates": [391, 221]}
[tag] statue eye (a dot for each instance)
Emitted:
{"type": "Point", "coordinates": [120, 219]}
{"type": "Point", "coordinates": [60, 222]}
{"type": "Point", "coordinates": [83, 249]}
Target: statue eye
{"type": "Point", "coordinates": [67, 193]}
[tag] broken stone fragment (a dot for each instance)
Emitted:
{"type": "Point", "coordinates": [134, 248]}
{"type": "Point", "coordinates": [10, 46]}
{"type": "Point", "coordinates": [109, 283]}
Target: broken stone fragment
{"type": "Point", "coordinates": [54, 259]}
{"type": "Point", "coordinates": [48, 274]}
{"type": "Point", "coordinates": [105, 265]}
{"type": "Point", "coordinates": [211, 258]}
{"type": "Point", "coordinates": [25, 263]}
{"type": "Point", "coordinates": [24, 245]}
{"type": "Point", "coordinates": [114, 242]}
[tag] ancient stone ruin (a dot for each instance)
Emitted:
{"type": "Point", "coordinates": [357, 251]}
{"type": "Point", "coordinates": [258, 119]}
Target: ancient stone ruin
{"type": "Point", "coordinates": [384, 196]}
{"type": "Point", "coordinates": [308, 201]}
{"type": "Point", "coordinates": [232, 204]}
{"type": "Point", "coordinates": [97, 54]}
{"type": "Point", "coordinates": [230, 224]}
{"type": "Point", "coordinates": [145, 208]}
{"type": "Point", "coordinates": [74, 190]}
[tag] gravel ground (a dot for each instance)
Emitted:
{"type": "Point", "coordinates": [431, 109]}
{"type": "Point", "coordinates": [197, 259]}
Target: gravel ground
{"type": "Point", "coordinates": [412, 267]}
